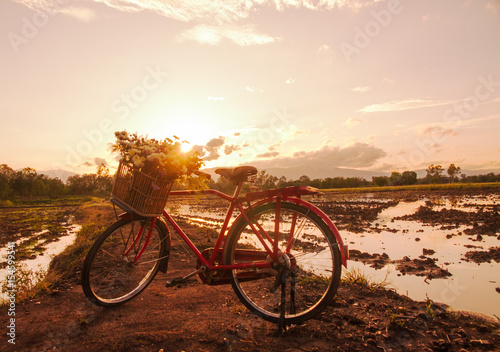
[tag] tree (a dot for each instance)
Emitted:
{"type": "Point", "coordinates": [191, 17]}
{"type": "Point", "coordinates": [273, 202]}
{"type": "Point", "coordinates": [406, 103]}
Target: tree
{"type": "Point", "coordinates": [304, 180]}
{"type": "Point", "coordinates": [4, 187]}
{"type": "Point", "coordinates": [396, 179]}
{"type": "Point", "coordinates": [453, 172]}
{"type": "Point", "coordinates": [434, 173]}
{"type": "Point", "coordinates": [282, 182]}
{"type": "Point", "coordinates": [23, 181]}
{"type": "Point", "coordinates": [380, 181]}
{"type": "Point", "coordinates": [265, 181]}
{"type": "Point", "coordinates": [6, 175]}
{"type": "Point", "coordinates": [409, 178]}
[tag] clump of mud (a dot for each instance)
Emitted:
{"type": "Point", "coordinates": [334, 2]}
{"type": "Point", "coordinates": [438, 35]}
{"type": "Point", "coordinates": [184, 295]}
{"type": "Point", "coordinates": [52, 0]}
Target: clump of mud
{"type": "Point", "coordinates": [483, 256]}
{"type": "Point", "coordinates": [423, 266]}
{"type": "Point", "coordinates": [484, 221]}
{"type": "Point", "coordinates": [354, 215]}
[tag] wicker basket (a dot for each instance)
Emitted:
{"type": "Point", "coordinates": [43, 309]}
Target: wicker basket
{"type": "Point", "coordinates": [139, 192]}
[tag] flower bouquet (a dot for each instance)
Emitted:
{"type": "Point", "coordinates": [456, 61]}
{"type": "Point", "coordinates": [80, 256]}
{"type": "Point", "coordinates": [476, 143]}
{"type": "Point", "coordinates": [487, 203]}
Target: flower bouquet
{"type": "Point", "coordinates": [147, 170]}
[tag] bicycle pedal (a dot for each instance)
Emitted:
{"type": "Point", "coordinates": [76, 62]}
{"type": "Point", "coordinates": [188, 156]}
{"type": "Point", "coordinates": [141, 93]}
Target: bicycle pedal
{"type": "Point", "coordinates": [175, 281]}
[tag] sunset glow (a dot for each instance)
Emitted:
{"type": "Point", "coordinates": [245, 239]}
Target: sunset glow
{"type": "Point", "coordinates": [286, 86]}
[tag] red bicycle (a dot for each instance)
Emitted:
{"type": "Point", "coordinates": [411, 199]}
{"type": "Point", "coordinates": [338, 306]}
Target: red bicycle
{"type": "Point", "coordinates": [282, 255]}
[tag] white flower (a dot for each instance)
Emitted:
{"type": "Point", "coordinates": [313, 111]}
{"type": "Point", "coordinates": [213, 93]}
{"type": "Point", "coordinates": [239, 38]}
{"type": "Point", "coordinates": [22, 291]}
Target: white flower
{"type": "Point", "coordinates": [138, 161]}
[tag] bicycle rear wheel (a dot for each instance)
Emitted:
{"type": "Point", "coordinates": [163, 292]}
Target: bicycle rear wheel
{"type": "Point", "coordinates": [111, 275]}
{"type": "Point", "coordinates": [308, 275]}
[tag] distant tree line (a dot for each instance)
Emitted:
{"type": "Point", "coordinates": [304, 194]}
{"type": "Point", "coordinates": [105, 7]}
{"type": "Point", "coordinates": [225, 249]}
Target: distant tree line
{"type": "Point", "coordinates": [28, 183]}
{"type": "Point", "coordinates": [434, 175]}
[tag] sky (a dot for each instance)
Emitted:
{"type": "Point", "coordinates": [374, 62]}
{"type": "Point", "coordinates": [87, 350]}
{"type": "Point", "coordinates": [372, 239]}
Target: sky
{"type": "Point", "coordinates": [380, 85]}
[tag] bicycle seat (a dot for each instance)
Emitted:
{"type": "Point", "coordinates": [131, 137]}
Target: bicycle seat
{"type": "Point", "coordinates": [237, 174]}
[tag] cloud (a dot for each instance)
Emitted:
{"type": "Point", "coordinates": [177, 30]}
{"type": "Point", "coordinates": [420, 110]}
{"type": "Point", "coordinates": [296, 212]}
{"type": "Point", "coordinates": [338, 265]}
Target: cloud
{"type": "Point", "coordinates": [449, 128]}
{"type": "Point", "coordinates": [80, 13]}
{"type": "Point", "coordinates": [244, 35]}
{"type": "Point", "coordinates": [271, 153]}
{"type": "Point", "coordinates": [355, 155]}
{"type": "Point", "coordinates": [228, 149]}
{"type": "Point", "coordinates": [325, 55]}
{"type": "Point", "coordinates": [100, 161]}
{"type": "Point", "coordinates": [213, 148]}
{"type": "Point", "coordinates": [388, 81]}
{"type": "Point", "coordinates": [200, 149]}
{"type": "Point", "coordinates": [351, 122]}
{"type": "Point", "coordinates": [400, 105]}
{"type": "Point", "coordinates": [215, 11]}
{"type": "Point", "coordinates": [361, 89]}
{"type": "Point", "coordinates": [436, 131]}
{"type": "Point", "coordinates": [268, 155]}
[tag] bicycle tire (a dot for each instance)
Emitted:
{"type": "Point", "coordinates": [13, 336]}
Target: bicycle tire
{"type": "Point", "coordinates": [110, 278]}
{"type": "Point", "coordinates": [316, 264]}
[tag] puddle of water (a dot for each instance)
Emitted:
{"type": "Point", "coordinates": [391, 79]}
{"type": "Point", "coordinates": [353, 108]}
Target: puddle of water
{"type": "Point", "coordinates": [472, 286]}
{"type": "Point", "coordinates": [41, 262]}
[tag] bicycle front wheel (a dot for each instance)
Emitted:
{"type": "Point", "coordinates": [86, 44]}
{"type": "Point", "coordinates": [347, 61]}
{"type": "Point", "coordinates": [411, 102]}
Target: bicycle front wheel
{"type": "Point", "coordinates": [308, 275]}
{"type": "Point", "coordinates": [115, 270]}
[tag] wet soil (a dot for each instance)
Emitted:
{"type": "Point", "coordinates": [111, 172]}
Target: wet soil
{"type": "Point", "coordinates": [493, 254]}
{"type": "Point", "coordinates": [423, 266]}
{"type": "Point", "coordinates": [485, 220]}
{"type": "Point", "coordinates": [35, 226]}
{"type": "Point", "coordinates": [352, 215]}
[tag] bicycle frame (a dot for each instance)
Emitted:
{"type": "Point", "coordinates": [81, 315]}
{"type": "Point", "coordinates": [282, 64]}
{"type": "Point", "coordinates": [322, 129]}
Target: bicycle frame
{"type": "Point", "coordinates": [289, 194]}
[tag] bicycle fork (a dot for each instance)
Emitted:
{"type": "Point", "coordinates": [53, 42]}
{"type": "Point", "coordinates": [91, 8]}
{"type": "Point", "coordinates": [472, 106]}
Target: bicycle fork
{"type": "Point", "coordinates": [138, 239]}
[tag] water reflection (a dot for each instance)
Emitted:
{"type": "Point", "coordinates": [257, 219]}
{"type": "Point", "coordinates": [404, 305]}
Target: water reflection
{"type": "Point", "coordinates": [41, 262]}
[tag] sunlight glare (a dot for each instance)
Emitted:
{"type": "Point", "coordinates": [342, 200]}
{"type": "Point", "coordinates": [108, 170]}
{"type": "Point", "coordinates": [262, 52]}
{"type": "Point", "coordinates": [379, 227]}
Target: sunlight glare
{"type": "Point", "coordinates": [195, 128]}
{"type": "Point", "coordinates": [185, 147]}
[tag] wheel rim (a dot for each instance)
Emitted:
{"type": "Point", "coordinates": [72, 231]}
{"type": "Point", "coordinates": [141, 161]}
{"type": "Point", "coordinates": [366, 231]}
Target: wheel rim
{"type": "Point", "coordinates": [311, 257]}
{"type": "Point", "coordinates": [116, 277]}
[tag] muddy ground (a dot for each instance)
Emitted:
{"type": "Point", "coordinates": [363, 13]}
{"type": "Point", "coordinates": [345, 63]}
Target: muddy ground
{"type": "Point", "coordinates": [197, 317]}
{"type": "Point", "coordinates": [36, 226]}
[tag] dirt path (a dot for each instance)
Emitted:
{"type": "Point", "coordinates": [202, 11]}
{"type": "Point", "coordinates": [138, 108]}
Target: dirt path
{"type": "Point", "coordinates": [203, 318]}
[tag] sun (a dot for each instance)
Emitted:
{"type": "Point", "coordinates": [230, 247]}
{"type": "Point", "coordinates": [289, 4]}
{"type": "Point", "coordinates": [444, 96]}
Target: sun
{"type": "Point", "coordinates": [186, 147]}
{"type": "Point", "coordinates": [190, 125]}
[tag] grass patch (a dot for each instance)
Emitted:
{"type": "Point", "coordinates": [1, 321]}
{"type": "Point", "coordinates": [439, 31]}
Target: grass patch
{"type": "Point", "coordinates": [358, 277]}
{"type": "Point", "coordinates": [45, 201]}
